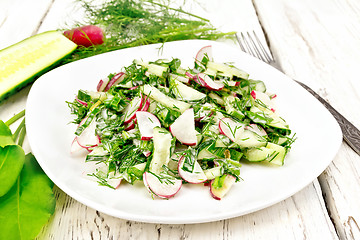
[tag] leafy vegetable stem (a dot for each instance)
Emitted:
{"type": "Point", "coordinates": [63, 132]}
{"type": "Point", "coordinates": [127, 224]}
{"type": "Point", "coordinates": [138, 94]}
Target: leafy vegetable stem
{"type": "Point", "coordinates": [15, 118]}
{"type": "Point", "coordinates": [19, 131]}
{"type": "Point", "coordinates": [22, 134]}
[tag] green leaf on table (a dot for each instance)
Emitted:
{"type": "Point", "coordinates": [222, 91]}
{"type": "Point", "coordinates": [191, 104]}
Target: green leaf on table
{"type": "Point", "coordinates": [5, 135]}
{"type": "Point", "coordinates": [27, 207]}
{"type": "Point", "coordinates": [12, 159]}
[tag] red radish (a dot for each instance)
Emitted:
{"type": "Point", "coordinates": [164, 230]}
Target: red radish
{"type": "Point", "coordinates": [204, 51]}
{"type": "Point", "coordinates": [219, 192]}
{"type": "Point", "coordinates": [230, 128]}
{"type": "Point", "coordinates": [102, 85]}
{"type": "Point", "coordinates": [114, 182]}
{"type": "Point", "coordinates": [130, 125]}
{"type": "Point", "coordinates": [196, 176]}
{"type": "Point", "coordinates": [132, 88]}
{"type": "Point", "coordinates": [183, 128]}
{"type": "Point", "coordinates": [264, 98]}
{"type": "Point", "coordinates": [86, 36]}
{"type": "Point", "coordinates": [75, 147]}
{"type": "Point", "coordinates": [147, 153]}
{"type": "Point", "coordinates": [137, 143]}
{"type": "Point", "coordinates": [253, 94]}
{"type": "Point", "coordinates": [88, 138]}
{"type": "Point", "coordinates": [131, 109]}
{"type": "Point", "coordinates": [190, 76]}
{"type": "Point", "coordinates": [207, 82]}
{"type": "Point", "coordinates": [81, 102]}
{"type": "Point", "coordinates": [117, 78]}
{"type": "Point", "coordinates": [146, 123]}
{"type": "Point", "coordinates": [256, 129]}
{"type": "Point", "coordinates": [146, 103]}
{"type": "Point", "coordinates": [162, 189]}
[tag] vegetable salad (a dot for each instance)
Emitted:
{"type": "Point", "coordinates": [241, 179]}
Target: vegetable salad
{"type": "Point", "coordinates": [167, 125]}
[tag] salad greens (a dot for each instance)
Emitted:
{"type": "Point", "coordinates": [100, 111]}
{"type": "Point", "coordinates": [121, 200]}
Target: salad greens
{"type": "Point", "coordinates": [192, 125]}
{"type": "Point", "coordinates": [26, 196]}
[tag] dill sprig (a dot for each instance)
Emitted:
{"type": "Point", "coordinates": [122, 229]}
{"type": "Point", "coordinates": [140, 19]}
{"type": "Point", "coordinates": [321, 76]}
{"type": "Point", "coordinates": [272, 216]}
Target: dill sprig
{"type": "Point", "coordinates": [131, 23]}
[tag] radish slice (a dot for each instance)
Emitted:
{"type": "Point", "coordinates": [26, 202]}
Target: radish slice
{"type": "Point", "coordinates": [88, 137]}
{"type": "Point", "coordinates": [219, 192]}
{"type": "Point", "coordinates": [190, 76]}
{"type": "Point", "coordinates": [102, 84]}
{"type": "Point", "coordinates": [263, 98]}
{"type": "Point", "coordinates": [162, 189]}
{"type": "Point", "coordinates": [117, 78]}
{"type": "Point", "coordinates": [256, 129]}
{"type": "Point", "coordinates": [204, 51]}
{"type": "Point", "coordinates": [196, 176]}
{"type": "Point", "coordinates": [137, 143]}
{"type": "Point", "coordinates": [206, 81]}
{"type": "Point", "coordinates": [75, 146]}
{"type": "Point", "coordinates": [114, 180]}
{"type": "Point", "coordinates": [82, 102]}
{"type": "Point", "coordinates": [130, 110]}
{"type": "Point", "coordinates": [147, 153]}
{"type": "Point", "coordinates": [146, 123]}
{"type": "Point", "coordinates": [130, 125]}
{"type": "Point", "coordinates": [146, 103]}
{"type": "Point", "coordinates": [183, 128]}
{"type": "Point", "coordinates": [230, 128]}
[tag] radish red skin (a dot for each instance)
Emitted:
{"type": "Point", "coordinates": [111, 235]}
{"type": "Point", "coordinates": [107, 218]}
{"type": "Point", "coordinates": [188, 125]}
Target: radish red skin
{"type": "Point", "coordinates": [86, 36]}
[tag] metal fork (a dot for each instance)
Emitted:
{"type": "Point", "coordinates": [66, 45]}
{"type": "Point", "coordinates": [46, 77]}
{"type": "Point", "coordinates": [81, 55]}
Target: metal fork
{"type": "Point", "coordinates": [251, 44]}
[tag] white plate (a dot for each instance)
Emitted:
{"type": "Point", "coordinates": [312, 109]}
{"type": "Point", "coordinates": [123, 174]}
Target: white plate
{"type": "Point", "coordinates": [50, 136]}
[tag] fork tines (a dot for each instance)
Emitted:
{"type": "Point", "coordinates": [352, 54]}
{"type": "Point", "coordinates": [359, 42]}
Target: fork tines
{"type": "Point", "coordinates": [253, 47]}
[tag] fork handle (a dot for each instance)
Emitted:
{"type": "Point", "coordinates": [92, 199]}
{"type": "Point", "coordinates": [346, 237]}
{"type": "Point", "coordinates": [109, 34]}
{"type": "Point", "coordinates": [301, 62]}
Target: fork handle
{"type": "Point", "coordinates": [350, 133]}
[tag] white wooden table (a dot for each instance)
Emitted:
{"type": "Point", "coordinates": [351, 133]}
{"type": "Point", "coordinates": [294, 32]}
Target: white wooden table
{"type": "Point", "coordinates": [314, 41]}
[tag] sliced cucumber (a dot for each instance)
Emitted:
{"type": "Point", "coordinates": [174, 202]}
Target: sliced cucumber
{"type": "Point", "coordinates": [205, 154]}
{"type": "Point", "coordinates": [227, 70]}
{"type": "Point", "coordinates": [22, 62]}
{"type": "Point", "coordinates": [152, 68]}
{"type": "Point", "coordinates": [162, 144]}
{"type": "Point", "coordinates": [276, 121]}
{"type": "Point", "coordinates": [278, 154]}
{"type": "Point", "coordinates": [184, 92]}
{"type": "Point", "coordinates": [167, 101]}
{"type": "Point", "coordinates": [214, 172]}
{"type": "Point", "coordinates": [257, 154]}
{"type": "Point", "coordinates": [272, 153]}
{"type": "Point", "coordinates": [248, 139]}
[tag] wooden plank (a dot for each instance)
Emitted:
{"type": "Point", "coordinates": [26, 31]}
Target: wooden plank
{"type": "Point", "coordinates": [314, 42]}
{"type": "Point", "coordinates": [293, 218]}
{"type": "Point", "coordinates": [20, 19]}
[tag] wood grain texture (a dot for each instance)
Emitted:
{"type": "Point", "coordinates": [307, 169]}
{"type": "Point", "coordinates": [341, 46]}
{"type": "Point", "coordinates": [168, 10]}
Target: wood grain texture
{"type": "Point", "coordinates": [294, 218]}
{"type": "Point", "coordinates": [317, 43]}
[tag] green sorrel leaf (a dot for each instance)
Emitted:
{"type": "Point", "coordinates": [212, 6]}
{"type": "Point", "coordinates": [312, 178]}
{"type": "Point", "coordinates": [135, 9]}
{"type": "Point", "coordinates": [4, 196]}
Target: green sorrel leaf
{"type": "Point", "coordinates": [12, 159]}
{"type": "Point", "coordinates": [27, 207]}
{"type": "Point", "coordinates": [5, 135]}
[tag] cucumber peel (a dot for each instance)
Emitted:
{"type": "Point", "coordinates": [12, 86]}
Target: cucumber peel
{"type": "Point", "coordinates": [22, 62]}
